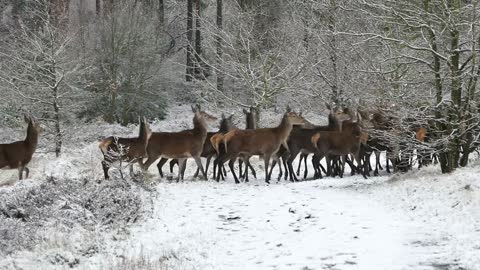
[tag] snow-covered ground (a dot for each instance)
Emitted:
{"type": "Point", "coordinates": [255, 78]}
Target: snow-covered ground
{"type": "Point", "coordinates": [422, 220]}
{"type": "Point", "coordinates": [418, 220]}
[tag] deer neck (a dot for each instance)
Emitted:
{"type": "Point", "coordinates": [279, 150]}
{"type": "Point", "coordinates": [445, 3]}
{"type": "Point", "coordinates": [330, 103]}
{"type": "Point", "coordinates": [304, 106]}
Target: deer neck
{"type": "Point", "coordinates": [284, 129]}
{"type": "Point", "coordinates": [251, 122]}
{"type": "Point", "coordinates": [332, 123]}
{"type": "Point", "coordinates": [199, 126]}
{"type": "Point", "coordinates": [143, 136]}
{"type": "Point", "coordinates": [32, 137]}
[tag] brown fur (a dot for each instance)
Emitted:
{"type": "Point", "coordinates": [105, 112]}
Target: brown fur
{"type": "Point", "coordinates": [263, 142]}
{"type": "Point", "coordinates": [421, 134]}
{"type": "Point", "coordinates": [180, 145]}
{"type": "Point", "coordinates": [18, 154]}
{"type": "Point", "coordinates": [340, 143]}
{"type": "Point", "coordinates": [133, 149]}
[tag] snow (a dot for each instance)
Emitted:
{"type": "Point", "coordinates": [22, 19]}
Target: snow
{"type": "Point", "coordinates": [418, 220]}
{"type": "Point", "coordinates": [328, 224]}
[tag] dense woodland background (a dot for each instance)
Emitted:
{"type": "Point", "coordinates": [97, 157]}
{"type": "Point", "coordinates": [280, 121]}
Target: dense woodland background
{"type": "Point", "coordinates": [416, 62]}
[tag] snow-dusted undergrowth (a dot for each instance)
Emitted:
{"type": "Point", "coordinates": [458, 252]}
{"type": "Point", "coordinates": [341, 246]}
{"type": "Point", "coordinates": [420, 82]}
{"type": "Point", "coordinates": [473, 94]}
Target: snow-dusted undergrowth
{"type": "Point", "coordinates": [61, 217]}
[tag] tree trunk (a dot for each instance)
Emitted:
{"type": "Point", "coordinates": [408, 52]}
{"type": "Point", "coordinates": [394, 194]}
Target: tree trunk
{"type": "Point", "coordinates": [97, 8]}
{"type": "Point", "coordinates": [189, 70]}
{"type": "Point", "coordinates": [161, 13]}
{"type": "Point", "coordinates": [58, 131]}
{"type": "Point", "coordinates": [198, 41]}
{"type": "Point", "coordinates": [220, 75]}
{"type": "Point", "coordinates": [336, 95]}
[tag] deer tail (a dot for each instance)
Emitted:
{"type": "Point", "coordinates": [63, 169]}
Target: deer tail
{"type": "Point", "coordinates": [228, 136]}
{"type": "Point", "coordinates": [104, 144]}
{"type": "Point", "coordinates": [364, 138]}
{"type": "Point", "coordinates": [315, 139]}
{"type": "Point", "coordinates": [421, 134]}
{"type": "Point", "coordinates": [215, 141]}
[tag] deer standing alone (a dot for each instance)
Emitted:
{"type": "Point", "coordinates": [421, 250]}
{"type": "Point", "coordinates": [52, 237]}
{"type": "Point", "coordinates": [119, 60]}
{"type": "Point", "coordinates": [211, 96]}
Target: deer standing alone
{"type": "Point", "coordinates": [18, 154]}
{"type": "Point", "coordinates": [181, 145]}
{"type": "Point", "coordinates": [125, 149]}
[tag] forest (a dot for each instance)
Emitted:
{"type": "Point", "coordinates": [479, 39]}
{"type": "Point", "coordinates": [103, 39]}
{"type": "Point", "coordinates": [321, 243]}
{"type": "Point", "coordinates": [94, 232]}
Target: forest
{"type": "Point", "coordinates": [372, 83]}
{"type": "Point", "coordinates": [414, 61]}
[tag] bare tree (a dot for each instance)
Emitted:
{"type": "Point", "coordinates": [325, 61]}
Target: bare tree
{"type": "Point", "coordinates": [37, 67]}
{"type": "Point", "coordinates": [220, 76]}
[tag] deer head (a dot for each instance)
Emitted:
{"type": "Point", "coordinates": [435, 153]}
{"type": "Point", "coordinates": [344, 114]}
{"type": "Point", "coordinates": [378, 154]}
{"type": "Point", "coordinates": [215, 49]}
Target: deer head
{"type": "Point", "coordinates": [226, 123]}
{"type": "Point", "coordinates": [199, 114]}
{"type": "Point", "coordinates": [294, 119]}
{"type": "Point", "coordinates": [33, 125]}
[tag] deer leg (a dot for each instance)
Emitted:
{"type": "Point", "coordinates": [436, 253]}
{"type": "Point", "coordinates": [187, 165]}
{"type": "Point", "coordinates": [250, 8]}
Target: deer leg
{"type": "Point", "coordinates": [299, 165]}
{"type": "Point", "coordinates": [388, 166]}
{"type": "Point", "coordinates": [20, 172]}
{"type": "Point", "coordinates": [181, 165]}
{"type": "Point", "coordinates": [149, 162]}
{"type": "Point", "coordinates": [215, 165]}
{"type": "Point", "coordinates": [378, 154]}
{"type": "Point", "coordinates": [357, 159]}
{"type": "Point", "coordinates": [252, 170]}
{"type": "Point", "coordinates": [231, 164]}
{"type": "Point", "coordinates": [377, 163]}
{"type": "Point", "coordinates": [293, 154]}
{"type": "Point", "coordinates": [316, 166]}
{"type": "Point", "coordinates": [105, 166]}
{"type": "Point", "coordinates": [27, 172]}
{"type": "Point", "coordinates": [199, 165]}
{"type": "Point", "coordinates": [131, 170]}
{"type": "Point", "coordinates": [274, 163]}
{"type": "Point", "coordinates": [160, 165]}
{"type": "Point", "coordinates": [224, 174]}
{"type": "Point", "coordinates": [173, 162]}
{"type": "Point", "coordinates": [266, 159]}
{"type": "Point", "coordinates": [280, 171]}
{"type": "Point", "coordinates": [184, 168]}
{"type": "Point", "coordinates": [246, 169]}
{"type": "Point", "coordinates": [208, 163]}
{"type": "Point", "coordinates": [305, 171]}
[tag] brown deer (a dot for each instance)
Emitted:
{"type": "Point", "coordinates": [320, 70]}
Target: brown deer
{"type": "Point", "coordinates": [264, 142]}
{"type": "Point", "coordinates": [208, 151]}
{"type": "Point", "coordinates": [181, 145]}
{"type": "Point", "coordinates": [125, 149]}
{"type": "Point", "coordinates": [341, 143]}
{"type": "Point", "coordinates": [300, 138]}
{"type": "Point", "coordinates": [18, 154]}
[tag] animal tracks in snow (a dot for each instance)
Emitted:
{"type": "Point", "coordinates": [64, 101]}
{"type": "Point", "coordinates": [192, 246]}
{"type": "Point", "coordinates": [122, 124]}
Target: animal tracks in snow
{"type": "Point", "coordinates": [283, 226]}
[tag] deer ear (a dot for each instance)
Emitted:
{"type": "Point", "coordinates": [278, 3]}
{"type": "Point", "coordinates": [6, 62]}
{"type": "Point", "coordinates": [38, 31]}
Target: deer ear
{"type": "Point", "coordinates": [245, 111]}
{"type": "Point", "coordinates": [289, 109]}
{"type": "Point", "coordinates": [198, 107]}
{"type": "Point", "coordinates": [194, 109]}
{"type": "Point", "coordinates": [328, 106]}
{"type": "Point", "coordinates": [223, 116]}
{"type": "Point", "coordinates": [230, 117]}
{"type": "Point", "coordinates": [252, 109]}
{"type": "Point", "coordinates": [27, 118]}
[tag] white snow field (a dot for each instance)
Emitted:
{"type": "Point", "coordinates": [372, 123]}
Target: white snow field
{"type": "Point", "coordinates": [422, 221]}
{"type": "Point", "coordinates": [418, 220]}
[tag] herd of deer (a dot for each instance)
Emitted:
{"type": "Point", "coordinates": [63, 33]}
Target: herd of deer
{"type": "Point", "coordinates": [346, 135]}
